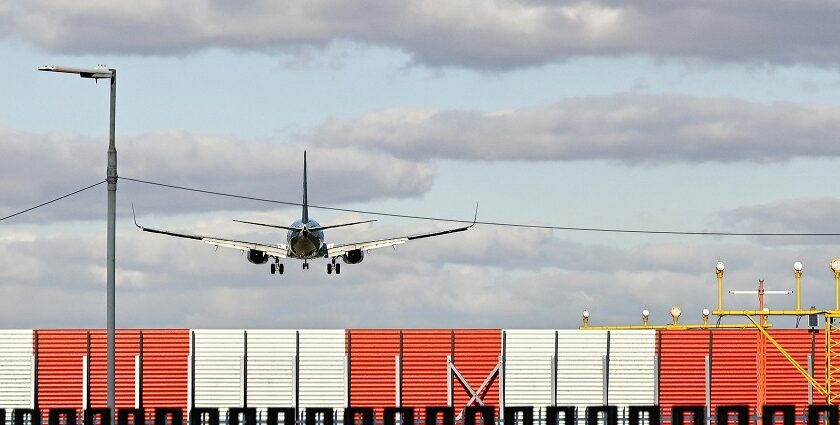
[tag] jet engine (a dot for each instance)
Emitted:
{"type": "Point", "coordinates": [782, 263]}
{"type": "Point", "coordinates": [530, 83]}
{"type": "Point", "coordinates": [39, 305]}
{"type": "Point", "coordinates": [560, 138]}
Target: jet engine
{"type": "Point", "coordinates": [353, 257]}
{"type": "Point", "coordinates": [257, 257]}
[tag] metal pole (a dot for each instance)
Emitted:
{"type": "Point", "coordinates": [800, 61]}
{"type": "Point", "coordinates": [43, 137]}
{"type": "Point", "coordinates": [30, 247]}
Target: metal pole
{"type": "Point", "coordinates": [719, 274]}
{"type": "Point", "coordinates": [836, 291]}
{"type": "Point", "coordinates": [798, 275]}
{"type": "Point", "coordinates": [112, 220]}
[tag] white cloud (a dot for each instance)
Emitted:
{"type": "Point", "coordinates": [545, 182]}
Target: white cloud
{"type": "Point", "coordinates": [440, 282]}
{"type": "Point", "coordinates": [491, 34]}
{"type": "Point", "coordinates": [626, 127]}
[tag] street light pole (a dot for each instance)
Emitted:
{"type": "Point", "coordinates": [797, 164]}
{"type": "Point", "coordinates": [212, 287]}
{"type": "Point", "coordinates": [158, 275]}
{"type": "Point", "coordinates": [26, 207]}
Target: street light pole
{"type": "Point", "coordinates": [112, 223]}
{"type": "Point", "coordinates": [111, 177]}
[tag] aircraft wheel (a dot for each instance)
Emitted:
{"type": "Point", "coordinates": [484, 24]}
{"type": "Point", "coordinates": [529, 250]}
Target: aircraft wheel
{"type": "Point", "coordinates": [280, 268]}
{"type": "Point", "coordinates": [338, 269]}
{"type": "Point", "coordinates": [273, 269]}
{"type": "Point", "coordinates": [329, 268]}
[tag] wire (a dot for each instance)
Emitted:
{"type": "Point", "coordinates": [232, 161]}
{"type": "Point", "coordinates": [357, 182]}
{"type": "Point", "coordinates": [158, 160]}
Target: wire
{"type": "Point", "coordinates": [486, 223]}
{"type": "Point", "coordinates": [51, 201]}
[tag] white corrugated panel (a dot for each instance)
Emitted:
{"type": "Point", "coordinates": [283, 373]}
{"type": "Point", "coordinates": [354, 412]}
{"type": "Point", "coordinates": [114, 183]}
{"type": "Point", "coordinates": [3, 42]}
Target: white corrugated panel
{"type": "Point", "coordinates": [271, 376]}
{"type": "Point", "coordinates": [15, 370]}
{"type": "Point", "coordinates": [321, 375]}
{"type": "Point", "coordinates": [218, 368]}
{"type": "Point", "coordinates": [528, 356]}
{"type": "Point", "coordinates": [580, 379]}
{"type": "Point", "coordinates": [632, 367]}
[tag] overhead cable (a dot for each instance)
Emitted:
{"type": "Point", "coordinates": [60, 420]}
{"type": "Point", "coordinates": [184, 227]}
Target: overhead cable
{"type": "Point", "coordinates": [486, 223]}
{"type": "Point", "coordinates": [52, 200]}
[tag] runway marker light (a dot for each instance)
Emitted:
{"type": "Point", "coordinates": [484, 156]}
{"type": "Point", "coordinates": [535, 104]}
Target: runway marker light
{"type": "Point", "coordinates": [675, 314]}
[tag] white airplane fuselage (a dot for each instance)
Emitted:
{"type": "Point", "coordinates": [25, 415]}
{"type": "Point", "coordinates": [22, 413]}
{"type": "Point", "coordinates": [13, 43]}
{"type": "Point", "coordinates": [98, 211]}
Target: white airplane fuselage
{"type": "Point", "coordinates": [303, 243]}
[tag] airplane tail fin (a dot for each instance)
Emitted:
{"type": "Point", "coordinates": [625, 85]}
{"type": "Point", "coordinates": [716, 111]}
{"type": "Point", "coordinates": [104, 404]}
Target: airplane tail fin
{"type": "Point", "coordinates": [305, 213]}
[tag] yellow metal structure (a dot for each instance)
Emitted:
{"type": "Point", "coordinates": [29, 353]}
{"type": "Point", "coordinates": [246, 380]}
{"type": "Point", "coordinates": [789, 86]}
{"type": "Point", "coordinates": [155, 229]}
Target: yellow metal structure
{"type": "Point", "coordinates": [719, 274]}
{"type": "Point", "coordinates": [671, 327]}
{"type": "Point", "coordinates": [798, 275]}
{"type": "Point", "coordinates": [832, 357]}
{"type": "Point", "coordinates": [790, 359]}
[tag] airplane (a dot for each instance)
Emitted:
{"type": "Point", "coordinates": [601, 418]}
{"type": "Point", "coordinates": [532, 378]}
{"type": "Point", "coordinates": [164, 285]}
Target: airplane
{"type": "Point", "coordinates": [304, 241]}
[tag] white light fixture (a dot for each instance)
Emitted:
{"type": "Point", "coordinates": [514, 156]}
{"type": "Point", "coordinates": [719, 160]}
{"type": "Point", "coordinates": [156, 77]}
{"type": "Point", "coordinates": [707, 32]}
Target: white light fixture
{"type": "Point", "coordinates": [585, 314]}
{"type": "Point", "coordinates": [719, 266]}
{"type": "Point", "coordinates": [835, 265]}
{"type": "Point", "coordinates": [645, 313]}
{"type": "Point", "coordinates": [675, 314]}
{"type": "Point", "coordinates": [705, 311]}
{"type": "Point", "coordinates": [797, 266]}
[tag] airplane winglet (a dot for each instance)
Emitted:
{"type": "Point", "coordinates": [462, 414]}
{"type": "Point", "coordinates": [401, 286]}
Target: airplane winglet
{"type": "Point", "coordinates": [134, 216]}
{"type": "Point", "coordinates": [475, 217]}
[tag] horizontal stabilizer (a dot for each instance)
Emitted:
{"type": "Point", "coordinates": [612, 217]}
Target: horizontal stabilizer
{"type": "Point", "coordinates": [311, 229]}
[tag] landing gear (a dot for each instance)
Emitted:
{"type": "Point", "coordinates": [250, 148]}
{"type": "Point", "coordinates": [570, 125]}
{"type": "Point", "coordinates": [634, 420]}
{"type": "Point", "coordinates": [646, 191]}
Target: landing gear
{"type": "Point", "coordinates": [333, 266]}
{"type": "Point", "coordinates": [305, 265]}
{"type": "Point", "coordinates": [276, 268]}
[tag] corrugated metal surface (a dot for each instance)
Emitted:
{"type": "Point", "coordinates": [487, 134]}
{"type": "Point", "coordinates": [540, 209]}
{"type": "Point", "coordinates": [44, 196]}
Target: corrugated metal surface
{"type": "Point", "coordinates": [580, 379]}
{"type": "Point", "coordinates": [785, 385]}
{"type": "Point", "coordinates": [127, 347]}
{"type": "Point", "coordinates": [60, 381]}
{"type": "Point", "coordinates": [15, 370]}
{"type": "Point", "coordinates": [165, 366]}
{"type": "Point", "coordinates": [632, 367]}
{"type": "Point", "coordinates": [270, 368]}
{"type": "Point", "coordinates": [682, 376]}
{"type": "Point", "coordinates": [424, 367]}
{"type": "Point", "coordinates": [528, 355]}
{"type": "Point", "coordinates": [373, 367]}
{"type": "Point", "coordinates": [476, 354]}
{"type": "Point", "coordinates": [218, 367]}
{"type": "Point", "coordinates": [321, 374]}
{"type": "Point", "coordinates": [734, 373]}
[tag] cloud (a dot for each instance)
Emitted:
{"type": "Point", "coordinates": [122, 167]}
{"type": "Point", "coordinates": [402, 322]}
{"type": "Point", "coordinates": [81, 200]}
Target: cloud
{"type": "Point", "coordinates": [484, 34]}
{"type": "Point", "coordinates": [803, 215]}
{"type": "Point", "coordinates": [630, 128]}
{"type": "Point", "coordinates": [38, 167]}
{"type": "Point", "coordinates": [481, 278]}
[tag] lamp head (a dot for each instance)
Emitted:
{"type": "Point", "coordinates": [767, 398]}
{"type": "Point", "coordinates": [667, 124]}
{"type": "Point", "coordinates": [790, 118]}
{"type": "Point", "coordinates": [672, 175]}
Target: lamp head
{"type": "Point", "coordinates": [719, 266]}
{"type": "Point", "coordinates": [797, 266]}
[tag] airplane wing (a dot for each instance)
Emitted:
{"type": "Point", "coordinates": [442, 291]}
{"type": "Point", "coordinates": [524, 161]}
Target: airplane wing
{"type": "Point", "coordinates": [339, 250]}
{"type": "Point", "coordinates": [279, 250]}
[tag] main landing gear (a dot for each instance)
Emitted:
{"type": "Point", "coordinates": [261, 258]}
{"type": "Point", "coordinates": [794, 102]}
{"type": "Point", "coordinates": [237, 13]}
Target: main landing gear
{"type": "Point", "coordinates": [333, 266]}
{"type": "Point", "coordinates": [276, 267]}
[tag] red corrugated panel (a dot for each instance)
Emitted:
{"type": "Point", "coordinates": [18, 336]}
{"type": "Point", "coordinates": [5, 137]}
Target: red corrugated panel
{"type": "Point", "coordinates": [165, 368]}
{"type": "Point", "coordinates": [127, 347]}
{"type": "Point", "coordinates": [60, 378]}
{"type": "Point", "coordinates": [734, 367]}
{"type": "Point", "coordinates": [476, 354]}
{"type": "Point", "coordinates": [785, 385]}
{"type": "Point", "coordinates": [373, 367]}
{"type": "Point", "coordinates": [682, 376]}
{"type": "Point", "coordinates": [424, 367]}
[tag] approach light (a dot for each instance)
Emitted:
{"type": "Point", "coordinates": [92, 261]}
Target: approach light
{"type": "Point", "coordinates": [675, 313]}
{"type": "Point", "coordinates": [585, 314]}
{"type": "Point", "coordinates": [719, 266]}
{"type": "Point", "coordinates": [835, 265]}
{"type": "Point", "coordinates": [797, 266]}
{"type": "Point", "coordinates": [645, 313]}
{"type": "Point", "coordinates": [706, 312]}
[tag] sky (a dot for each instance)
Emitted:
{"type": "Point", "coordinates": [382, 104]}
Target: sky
{"type": "Point", "coordinates": [660, 115]}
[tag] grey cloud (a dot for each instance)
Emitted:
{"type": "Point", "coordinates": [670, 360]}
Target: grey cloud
{"type": "Point", "coordinates": [804, 215]}
{"type": "Point", "coordinates": [38, 167]}
{"type": "Point", "coordinates": [489, 34]}
{"type": "Point", "coordinates": [629, 128]}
